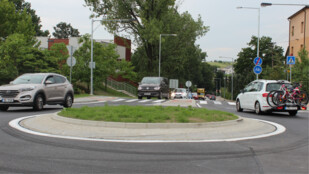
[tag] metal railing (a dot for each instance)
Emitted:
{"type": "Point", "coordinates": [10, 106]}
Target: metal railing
{"type": "Point", "coordinates": [122, 86]}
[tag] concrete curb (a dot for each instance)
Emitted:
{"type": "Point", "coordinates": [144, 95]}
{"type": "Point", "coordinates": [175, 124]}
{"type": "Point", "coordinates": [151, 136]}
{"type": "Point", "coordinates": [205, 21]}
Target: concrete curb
{"type": "Point", "coordinates": [67, 120]}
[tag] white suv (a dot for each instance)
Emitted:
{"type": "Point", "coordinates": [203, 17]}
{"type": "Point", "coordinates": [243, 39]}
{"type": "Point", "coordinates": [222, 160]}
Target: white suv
{"type": "Point", "coordinates": [254, 97]}
{"type": "Point", "coordinates": [36, 90]}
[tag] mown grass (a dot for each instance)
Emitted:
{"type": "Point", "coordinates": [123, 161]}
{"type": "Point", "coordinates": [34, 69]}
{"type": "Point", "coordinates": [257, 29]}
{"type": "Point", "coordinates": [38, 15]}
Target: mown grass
{"type": "Point", "coordinates": [151, 114]}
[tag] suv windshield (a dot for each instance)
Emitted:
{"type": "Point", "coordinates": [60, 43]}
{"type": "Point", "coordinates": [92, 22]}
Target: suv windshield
{"type": "Point", "coordinates": [29, 79]}
{"type": "Point", "coordinates": [151, 80]}
{"type": "Point", "coordinates": [276, 86]}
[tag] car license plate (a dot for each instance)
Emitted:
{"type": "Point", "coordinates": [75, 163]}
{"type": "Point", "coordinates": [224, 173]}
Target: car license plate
{"type": "Point", "coordinates": [290, 108]}
{"type": "Point", "coordinates": [7, 100]}
{"type": "Point", "coordinates": [147, 93]}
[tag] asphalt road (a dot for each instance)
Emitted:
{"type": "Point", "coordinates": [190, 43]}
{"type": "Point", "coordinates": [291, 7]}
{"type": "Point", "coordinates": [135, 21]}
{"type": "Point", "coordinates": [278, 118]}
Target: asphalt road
{"type": "Point", "coordinates": [284, 153]}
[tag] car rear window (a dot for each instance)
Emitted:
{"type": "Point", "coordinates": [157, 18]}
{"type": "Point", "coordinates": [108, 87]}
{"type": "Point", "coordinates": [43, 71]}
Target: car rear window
{"type": "Point", "coordinates": [275, 86]}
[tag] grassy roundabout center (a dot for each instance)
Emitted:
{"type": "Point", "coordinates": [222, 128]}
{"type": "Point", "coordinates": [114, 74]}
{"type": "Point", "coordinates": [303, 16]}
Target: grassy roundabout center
{"type": "Point", "coordinates": [149, 114]}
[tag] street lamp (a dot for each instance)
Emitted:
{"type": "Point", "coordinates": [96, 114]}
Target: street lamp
{"type": "Point", "coordinates": [258, 40]}
{"type": "Point", "coordinates": [265, 4]}
{"type": "Point", "coordinates": [91, 61]}
{"type": "Point", "coordinates": [160, 49]}
{"type": "Point", "coordinates": [232, 73]}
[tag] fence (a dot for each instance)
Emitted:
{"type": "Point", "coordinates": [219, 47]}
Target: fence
{"type": "Point", "coordinates": [122, 86]}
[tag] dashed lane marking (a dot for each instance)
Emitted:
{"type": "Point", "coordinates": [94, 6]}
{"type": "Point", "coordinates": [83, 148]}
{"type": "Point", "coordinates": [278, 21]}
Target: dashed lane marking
{"type": "Point", "coordinates": [203, 102]}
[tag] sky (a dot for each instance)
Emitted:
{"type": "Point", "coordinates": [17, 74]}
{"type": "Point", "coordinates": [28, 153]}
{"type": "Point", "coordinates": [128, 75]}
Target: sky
{"type": "Point", "coordinates": [231, 29]}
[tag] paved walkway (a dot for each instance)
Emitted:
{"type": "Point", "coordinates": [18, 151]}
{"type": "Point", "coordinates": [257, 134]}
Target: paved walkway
{"type": "Point", "coordinates": [57, 126]}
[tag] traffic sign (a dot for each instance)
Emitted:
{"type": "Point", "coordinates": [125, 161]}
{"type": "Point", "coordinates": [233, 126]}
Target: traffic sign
{"type": "Point", "coordinates": [257, 69]}
{"type": "Point", "coordinates": [258, 61]}
{"type": "Point", "coordinates": [188, 84]}
{"type": "Point", "coordinates": [290, 60]}
{"type": "Point", "coordinates": [71, 61]}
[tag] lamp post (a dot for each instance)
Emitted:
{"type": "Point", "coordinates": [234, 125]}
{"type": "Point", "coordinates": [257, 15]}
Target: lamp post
{"type": "Point", "coordinates": [91, 61]}
{"type": "Point", "coordinates": [265, 4]}
{"type": "Point", "coordinates": [232, 73]}
{"type": "Point", "coordinates": [160, 50]}
{"type": "Point", "coordinates": [258, 40]}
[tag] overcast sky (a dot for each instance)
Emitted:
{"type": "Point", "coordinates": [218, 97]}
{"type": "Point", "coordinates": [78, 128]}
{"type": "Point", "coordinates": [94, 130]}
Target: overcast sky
{"type": "Point", "coordinates": [230, 28]}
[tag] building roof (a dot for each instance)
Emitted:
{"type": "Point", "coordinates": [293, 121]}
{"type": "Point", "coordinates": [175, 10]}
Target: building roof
{"type": "Point", "coordinates": [299, 11]}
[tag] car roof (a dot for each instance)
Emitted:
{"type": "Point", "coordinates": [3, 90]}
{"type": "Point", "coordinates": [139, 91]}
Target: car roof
{"type": "Point", "coordinates": [271, 81]}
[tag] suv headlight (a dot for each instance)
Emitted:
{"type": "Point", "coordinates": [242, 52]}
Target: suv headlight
{"type": "Point", "coordinates": [139, 88]}
{"type": "Point", "coordinates": [27, 89]}
{"type": "Point", "coordinates": [156, 88]}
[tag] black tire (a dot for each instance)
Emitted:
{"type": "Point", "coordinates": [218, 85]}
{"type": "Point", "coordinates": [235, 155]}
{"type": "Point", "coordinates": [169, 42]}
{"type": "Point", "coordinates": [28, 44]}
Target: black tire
{"type": "Point", "coordinates": [148, 97]}
{"type": "Point", "coordinates": [257, 108]}
{"type": "Point", "coordinates": [68, 101]}
{"type": "Point", "coordinates": [278, 98]}
{"type": "Point", "coordinates": [38, 103]}
{"type": "Point", "coordinates": [292, 113]}
{"type": "Point", "coordinates": [140, 97]}
{"type": "Point", "coordinates": [269, 98]}
{"type": "Point", "coordinates": [4, 108]}
{"type": "Point", "coordinates": [238, 106]}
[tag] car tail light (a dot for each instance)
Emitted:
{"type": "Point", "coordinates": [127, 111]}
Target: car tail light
{"type": "Point", "coordinates": [304, 108]}
{"type": "Point", "coordinates": [280, 107]}
{"type": "Point", "coordinates": [264, 94]}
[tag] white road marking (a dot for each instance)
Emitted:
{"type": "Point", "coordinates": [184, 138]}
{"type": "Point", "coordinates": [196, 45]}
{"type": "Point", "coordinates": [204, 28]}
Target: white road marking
{"type": "Point", "coordinates": [217, 103]}
{"type": "Point", "coordinates": [133, 100]}
{"type": "Point", "coordinates": [144, 101]}
{"type": "Point", "coordinates": [158, 101]}
{"type": "Point", "coordinates": [15, 124]}
{"type": "Point", "coordinates": [203, 102]}
{"type": "Point", "coordinates": [231, 103]}
{"type": "Point", "coordinates": [198, 105]}
{"type": "Point", "coordinates": [118, 100]}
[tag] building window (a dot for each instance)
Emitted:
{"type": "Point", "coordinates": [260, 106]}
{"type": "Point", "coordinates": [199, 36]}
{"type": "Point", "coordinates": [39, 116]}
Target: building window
{"type": "Point", "coordinates": [302, 27]}
{"type": "Point", "coordinates": [292, 30]}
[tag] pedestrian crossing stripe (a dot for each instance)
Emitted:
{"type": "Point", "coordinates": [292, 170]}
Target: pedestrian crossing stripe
{"type": "Point", "coordinates": [144, 101]}
{"type": "Point", "coordinates": [203, 102]}
{"type": "Point", "coordinates": [121, 99]}
{"type": "Point", "coordinates": [158, 101]}
{"type": "Point", "coordinates": [231, 103]}
{"type": "Point", "coordinates": [133, 100]}
{"type": "Point", "coordinates": [217, 102]}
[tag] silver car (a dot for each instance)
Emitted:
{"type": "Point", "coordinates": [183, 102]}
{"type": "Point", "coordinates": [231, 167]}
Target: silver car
{"type": "Point", "coordinates": [36, 90]}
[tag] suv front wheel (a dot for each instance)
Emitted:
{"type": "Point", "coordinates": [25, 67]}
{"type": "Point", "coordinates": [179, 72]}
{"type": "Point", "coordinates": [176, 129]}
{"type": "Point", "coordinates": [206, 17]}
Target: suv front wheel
{"type": "Point", "coordinates": [38, 102]}
{"type": "Point", "coordinates": [68, 101]}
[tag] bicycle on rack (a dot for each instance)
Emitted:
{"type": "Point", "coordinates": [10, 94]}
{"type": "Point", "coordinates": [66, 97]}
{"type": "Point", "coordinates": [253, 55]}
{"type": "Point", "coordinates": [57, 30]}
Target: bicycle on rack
{"type": "Point", "coordinates": [287, 94]}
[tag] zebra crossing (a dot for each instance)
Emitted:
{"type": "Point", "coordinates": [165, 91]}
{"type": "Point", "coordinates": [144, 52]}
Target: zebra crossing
{"type": "Point", "coordinates": [200, 102]}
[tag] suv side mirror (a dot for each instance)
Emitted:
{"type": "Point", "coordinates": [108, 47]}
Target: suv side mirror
{"type": "Point", "coordinates": [48, 82]}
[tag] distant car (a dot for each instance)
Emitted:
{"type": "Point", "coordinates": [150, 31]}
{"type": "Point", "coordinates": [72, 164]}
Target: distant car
{"type": "Point", "coordinates": [153, 87]}
{"type": "Point", "coordinates": [180, 93]}
{"type": "Point", "coordinates": [36, 90]}
{"type": "Point", "coordinates": [194, 96]}
{"type": "Point", "coordinates": [208, 96]}
{"type": "Point", "coordinates": [212, 97]}
{"type": "Point", "coordinates": [254, 97]}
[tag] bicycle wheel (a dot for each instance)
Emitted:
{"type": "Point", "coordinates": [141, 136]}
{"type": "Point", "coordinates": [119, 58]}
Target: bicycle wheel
{"type": "Point", "coordinates": [278, 98]}
{"type": "Point", "coordinates": [269, 98]}
{"type": "Point", "coordinates": [303, 98]}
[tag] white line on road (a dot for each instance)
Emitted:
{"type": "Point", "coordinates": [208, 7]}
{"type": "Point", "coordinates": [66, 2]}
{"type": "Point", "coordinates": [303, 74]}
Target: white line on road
{"type": "Point", "coordinates": [203, 102]}
{"type": "Point", "coordinates": [133, 100]}
{"type": "Point", "coordinates": [144, 101]}
{"type": "Point", "coordinates": [118, 100]}
{"type": "Point", "coordinates": [231, 103]}
{"type": "Point", "coordinates": [217, 103]}
{"type": "Point", "coordinates": [158, 101]}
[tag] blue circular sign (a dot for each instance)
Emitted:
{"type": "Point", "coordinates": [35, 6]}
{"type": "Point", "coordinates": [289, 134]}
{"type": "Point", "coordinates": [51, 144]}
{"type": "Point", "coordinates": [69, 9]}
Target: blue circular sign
{"type": "Point", "coordinates": [257, 69]}
{"type": "Point", "coordinates": [258, 61]}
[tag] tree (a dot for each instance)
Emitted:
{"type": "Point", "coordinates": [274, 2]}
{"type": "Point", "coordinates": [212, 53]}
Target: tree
{"type": "Point", "coordinates": [64, 30]}
{"type": "Point", "coordinates": [106, 64]}
{"type": "Point", "coordinates": [300, 71]}
{"type": "Point", "coordinates": [272, 55]}
{"type": "Point", "coordinates": [154, 17]}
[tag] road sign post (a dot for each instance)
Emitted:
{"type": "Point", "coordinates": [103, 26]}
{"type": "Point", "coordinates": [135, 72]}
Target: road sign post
{"type": "Point", "coordinates": [290, 60]}
{"type": "Point", "coordinates": [257, 69]}
{"type": "Point", "coordinates": [71, 61]}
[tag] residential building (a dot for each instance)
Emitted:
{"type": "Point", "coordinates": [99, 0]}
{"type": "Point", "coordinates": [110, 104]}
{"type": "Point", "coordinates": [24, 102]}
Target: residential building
{"type": "Point", "coordinates": [299, 31]}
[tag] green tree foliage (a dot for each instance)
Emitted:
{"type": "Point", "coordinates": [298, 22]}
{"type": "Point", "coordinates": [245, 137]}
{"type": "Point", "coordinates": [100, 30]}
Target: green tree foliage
{"type": "Point", "coordinates": [64, 30]}
{"type": "Point", "coordinates": [272, 55]}
{"type": "Point", "coordinates": [300, 71]}
{"type": "Point", "coordinates": [106, 64]}
{"type": "Point", "coordinates": [21, 5]}
{"type": "Point", "coordinates": [179, 54]}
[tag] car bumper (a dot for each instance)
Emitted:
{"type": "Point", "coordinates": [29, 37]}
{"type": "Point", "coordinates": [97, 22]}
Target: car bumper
{"type": "Point", "coordinates": [148, 93]}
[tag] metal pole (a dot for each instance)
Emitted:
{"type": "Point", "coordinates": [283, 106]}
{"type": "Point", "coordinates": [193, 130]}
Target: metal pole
{"type": "Point", "coordinates": [91, 61]}
{"type": "Point", "coordinates": [232, 78]}
{"type": "Point", "coordinates": [291, 73]}
{"type": "Point", "coordinates": [71, 63]}
{"type": "Point", "coordinates": [159, 55]}
{"type": "Point", "coordinates": [258, 39]}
